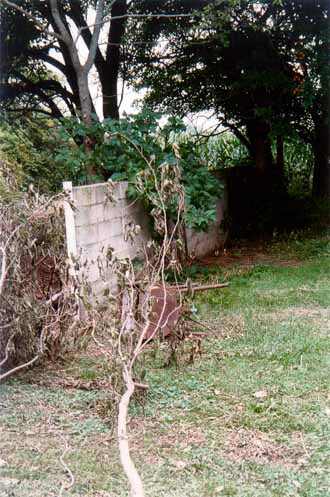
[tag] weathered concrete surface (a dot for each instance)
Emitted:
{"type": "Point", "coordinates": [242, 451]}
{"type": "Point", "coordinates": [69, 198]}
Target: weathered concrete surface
{"type": "Point", "coordinates": [203, 243]}
{"type": "Point", "coordinates": [99, 224]}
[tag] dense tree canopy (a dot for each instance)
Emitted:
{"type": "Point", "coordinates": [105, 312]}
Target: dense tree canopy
{"type": "Point", "coordinates": [260, 66]}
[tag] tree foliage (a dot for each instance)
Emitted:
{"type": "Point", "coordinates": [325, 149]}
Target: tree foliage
{"type": "Point", "coordinates": [120, 152]}
{"type": "Point", "coordinates": [262, 67]}
{"type": "Point", "coordinates": [42, 69]}
{"type": "Point", "coordinates": [29, 145]}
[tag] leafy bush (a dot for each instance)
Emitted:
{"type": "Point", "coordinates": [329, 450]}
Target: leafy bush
{"type": "Point", "coordinates": [224, 151]}
{"type": "Point", "coordinates": [29, 144]}
{"type": "Point", "coordinates": [121, 150]}
{"type": "Point", "coordinates": [298, 167]}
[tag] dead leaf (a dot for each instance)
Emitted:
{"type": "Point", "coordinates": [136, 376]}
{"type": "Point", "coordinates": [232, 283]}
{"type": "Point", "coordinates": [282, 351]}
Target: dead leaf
{"type": "Point", "coordinates": [261, 394]}
{"type": "Point", "coordinates": [180, 464]}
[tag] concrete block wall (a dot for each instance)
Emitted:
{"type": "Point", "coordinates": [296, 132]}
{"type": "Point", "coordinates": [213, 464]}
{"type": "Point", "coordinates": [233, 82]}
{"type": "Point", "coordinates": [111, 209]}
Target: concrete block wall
{"type": "Point", "coordinates": [98, 224]}
{"type": "Point", "coordinates": [95, 224]}
{"type": "Point", "coordinates": [202, 243]}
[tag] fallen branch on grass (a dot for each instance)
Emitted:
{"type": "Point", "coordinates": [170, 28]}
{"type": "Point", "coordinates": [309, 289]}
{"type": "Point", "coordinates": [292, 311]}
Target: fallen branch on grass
{"type": "Point", "coordinates": [18, 368]}
{"type": "Point", "coordinates": [66, 467]}
{"type": "Point", "coordinates": [132, 474]}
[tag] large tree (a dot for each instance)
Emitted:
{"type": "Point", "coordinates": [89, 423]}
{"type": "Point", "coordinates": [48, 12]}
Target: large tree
{"type": "Point", "coordinates": [242, 60]}
{"type": "Point", "coordinates": [51, 33]}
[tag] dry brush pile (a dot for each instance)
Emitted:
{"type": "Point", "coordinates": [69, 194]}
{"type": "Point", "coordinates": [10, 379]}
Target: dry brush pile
{"type": "Point", "coordinates": [38, 307]}
{"type": "Point", "coordinates": [142, 289]}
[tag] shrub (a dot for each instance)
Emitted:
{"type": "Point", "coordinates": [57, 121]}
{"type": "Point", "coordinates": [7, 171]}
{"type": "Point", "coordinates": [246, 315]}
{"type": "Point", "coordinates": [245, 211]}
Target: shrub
{"type": "Point", "coordinates": [121, 149]}
{"type": "Point", "coordinates": [29, 145]}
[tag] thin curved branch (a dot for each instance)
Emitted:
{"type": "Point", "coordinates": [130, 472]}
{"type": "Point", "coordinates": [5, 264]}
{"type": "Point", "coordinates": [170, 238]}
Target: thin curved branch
{"type": "Point", "coordinates": [65, 35]}
{"type": "Point", "coordinates": [132, 474]}
{"type": "Point", "coordinates": [32, 18]}
{"type": "Point", "coordinates": [3, 268]}
{"type": "Point", "coordinates": [18, 368]}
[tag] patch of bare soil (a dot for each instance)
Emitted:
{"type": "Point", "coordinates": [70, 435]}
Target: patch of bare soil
{"type": "Point", "coordinates": [228, 325]}
{"type": "Point", "coordinates": [256, 446]}
{"type": "Point", "coordinates": [248, 253]}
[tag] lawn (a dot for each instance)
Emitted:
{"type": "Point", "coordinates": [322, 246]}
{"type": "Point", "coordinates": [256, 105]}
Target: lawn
{"type": "Point", "coordinates": [249, 417]}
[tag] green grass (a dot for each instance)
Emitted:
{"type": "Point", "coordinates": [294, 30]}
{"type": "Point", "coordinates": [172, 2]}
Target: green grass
{"type": "Point", "coordinates": [249, 418]}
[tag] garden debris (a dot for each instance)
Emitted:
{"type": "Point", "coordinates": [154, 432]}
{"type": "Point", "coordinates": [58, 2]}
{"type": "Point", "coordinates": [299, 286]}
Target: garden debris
{"type": "Point", "coordinates": [253, 445]}
{"type": "Point", "coordinates": [261, 394]}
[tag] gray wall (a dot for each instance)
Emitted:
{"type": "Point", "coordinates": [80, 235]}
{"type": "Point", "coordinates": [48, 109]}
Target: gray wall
{"type": "Point", "coordinates": [96, 224]}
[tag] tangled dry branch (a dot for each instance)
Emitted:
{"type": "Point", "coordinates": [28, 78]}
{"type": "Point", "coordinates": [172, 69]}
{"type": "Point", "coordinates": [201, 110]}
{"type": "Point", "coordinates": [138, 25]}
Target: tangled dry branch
{"type": "Point", "coordinates": [138, 324]}
{"type": "Point", "coordinates": [39, 297]}
{"type": "Point", "coordinates": [37, 309]}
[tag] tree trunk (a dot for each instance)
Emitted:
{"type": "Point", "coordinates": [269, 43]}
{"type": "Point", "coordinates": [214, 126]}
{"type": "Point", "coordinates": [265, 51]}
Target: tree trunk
{"type": "Point", "coordinates": [258, 133]}
{"type": "Point", "coordinates": [321, 177]}
{"type": "Point", "coordinates": [86, 115]}
{"type": "Point", "coordinates": [85, 98]}
{"type": "Point", "coordinates": [108, 66]}
{"type": "Point", "coordinates": [109, 80]}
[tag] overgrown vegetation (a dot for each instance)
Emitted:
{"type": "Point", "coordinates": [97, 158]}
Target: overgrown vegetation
{"type": "Point", "coordinates": [298, 168]}
{"type": "Point", "coordinates": [248, 415]}
{"type": "Point", "coordinates": [38, 314]}
{"type": "Point", "coordinates": [119, 150]}
{"type": "Point", "coordinates": [250, 418]}
{"type": "Point", "coordinates": [29, 145]}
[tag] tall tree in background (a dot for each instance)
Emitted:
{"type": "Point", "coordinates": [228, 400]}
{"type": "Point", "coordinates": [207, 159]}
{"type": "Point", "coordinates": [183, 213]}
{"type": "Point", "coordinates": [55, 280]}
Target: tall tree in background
{"type": "Point", "coordinates": [25, 80]}
{"type": "Point", "coordinates": [224, 61]}
{"type": "Point", "coordinates": [311, 22]}
{"type": "Point", "coordinates": [261, 66]}
{"type": "Point", "coordinates": [302, 30]}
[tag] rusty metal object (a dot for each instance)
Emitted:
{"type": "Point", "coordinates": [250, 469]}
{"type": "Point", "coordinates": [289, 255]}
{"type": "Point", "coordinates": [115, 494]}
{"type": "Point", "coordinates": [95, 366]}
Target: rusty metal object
{"type": "Point", "coordinates": [200, 288]}
{"type": "Point", "coordinates": [166, 307]}
{"type": "Point", "coordinates": [164, 313]}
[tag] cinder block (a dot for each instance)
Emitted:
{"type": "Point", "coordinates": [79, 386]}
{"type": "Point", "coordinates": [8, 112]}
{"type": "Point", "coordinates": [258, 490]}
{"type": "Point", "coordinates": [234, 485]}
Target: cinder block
{"type": "Point", "coordinates": [87, 215]}
{"type": "Point", "coordinates": [110, 229]}
{"type": "Point", "coordinates": [90, 252]}
{"type": "Point", "coordinates": [84, 195]}
{"type": "Point", "coordinates": [122, 204]}
{"type": "Point", "coordinates": [93, 272]}
{"type": "Point", "coordinates": [113, 211]}
{"type": "Point", "coordinates": [100, 193]}
{"type": "Point", "coordinates": [119, 245]}
{"type": "Point", "coordinates": [121, 193]}
{"type": "Point", "coordinates": [87, 235]}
